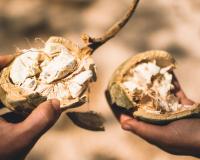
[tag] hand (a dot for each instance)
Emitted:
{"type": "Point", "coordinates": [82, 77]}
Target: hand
{"type": "Point", "coordinates": [17, 139]}
{"type": "Point", "coordinates": [180, 137]}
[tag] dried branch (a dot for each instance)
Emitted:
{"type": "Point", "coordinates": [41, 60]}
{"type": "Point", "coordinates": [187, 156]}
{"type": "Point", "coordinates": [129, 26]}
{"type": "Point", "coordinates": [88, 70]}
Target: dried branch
{"type": "Point", "coordinates": [94, 43]}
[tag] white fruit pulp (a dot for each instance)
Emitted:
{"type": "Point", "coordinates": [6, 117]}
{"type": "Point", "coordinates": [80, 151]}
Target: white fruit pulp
{"type": "Point", "coordinates": [148, 77]}
{"type": "Point", "coordinates": [59, 75]}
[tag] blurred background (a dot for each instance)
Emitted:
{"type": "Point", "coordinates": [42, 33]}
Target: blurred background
{"type": "Point", "coordinates": [168, 25]}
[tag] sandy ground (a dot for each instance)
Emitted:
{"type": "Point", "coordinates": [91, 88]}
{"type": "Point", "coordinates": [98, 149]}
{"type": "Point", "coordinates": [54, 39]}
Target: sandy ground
{"type": "Point", "coordinates": [167, 25]}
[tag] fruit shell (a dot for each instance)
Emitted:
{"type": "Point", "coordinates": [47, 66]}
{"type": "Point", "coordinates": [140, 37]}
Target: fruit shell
{"type": "Point", "coordinates": [118, 94]}
{"type": "Point", "coordinates": [14, 98]}
{"type": "Point", "coordinates": [167, 117]}
{"type": "Point", "coordinates": [121, 97]}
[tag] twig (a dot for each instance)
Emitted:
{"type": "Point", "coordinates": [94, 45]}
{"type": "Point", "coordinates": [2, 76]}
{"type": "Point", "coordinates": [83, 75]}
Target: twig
{"type": "Point", "coordinates": [94, 43]}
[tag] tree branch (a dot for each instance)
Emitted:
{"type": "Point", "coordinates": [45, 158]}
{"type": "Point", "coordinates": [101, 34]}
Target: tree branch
{"type": "Point", "coordinates": [95, 43]}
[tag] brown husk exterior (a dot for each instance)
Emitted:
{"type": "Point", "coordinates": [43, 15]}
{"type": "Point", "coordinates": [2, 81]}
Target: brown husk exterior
{"type": "Point", "coordinates": [121, 98]}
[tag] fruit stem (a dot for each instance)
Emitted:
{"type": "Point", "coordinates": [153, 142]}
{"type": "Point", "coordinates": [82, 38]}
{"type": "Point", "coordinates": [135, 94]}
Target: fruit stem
{"type": "Point", "coordinates": [95, 43]}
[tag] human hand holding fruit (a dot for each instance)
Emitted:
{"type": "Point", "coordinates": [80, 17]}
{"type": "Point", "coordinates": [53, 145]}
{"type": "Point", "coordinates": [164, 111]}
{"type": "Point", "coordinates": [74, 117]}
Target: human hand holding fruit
{"type": "Point", "coordinates": [179, 137]}
{"type": "Point", "coordinates": [17, 139]}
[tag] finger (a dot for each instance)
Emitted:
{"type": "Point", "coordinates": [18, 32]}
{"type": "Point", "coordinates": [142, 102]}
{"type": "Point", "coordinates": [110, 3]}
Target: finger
{"type": "Point", "coordinates": [180, 93]}
{"type": "Point", "coordinates": [5, 60]}
{"type": "Point", "coordinates": [151, 133]}
{"type": "Point", "coordinates": [124, 118]}
{"type": "Point", "coordinates": [24, 135]}
{"type": "Point", "coordinates": [183, 98]}
{"type": "Point", "coordinates": [41, 119]}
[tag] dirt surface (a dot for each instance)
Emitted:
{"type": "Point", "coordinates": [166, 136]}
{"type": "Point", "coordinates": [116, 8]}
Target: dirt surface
{"type": "Point", "coordinates": [168, 25]}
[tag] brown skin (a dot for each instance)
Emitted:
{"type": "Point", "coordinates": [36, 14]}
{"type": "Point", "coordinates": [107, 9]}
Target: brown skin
{"type": "Point", "coordinates": [181, 137]}
{"type": "Point", "coordinates": [18, 135]}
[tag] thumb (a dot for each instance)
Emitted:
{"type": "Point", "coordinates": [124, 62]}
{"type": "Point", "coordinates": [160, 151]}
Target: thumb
{"type": "Point", "coordinates": [41, 119]}
{"type": "Point", "coordinates": [152, 133]}
{"type": "Point", "coordinates": [31, 129]}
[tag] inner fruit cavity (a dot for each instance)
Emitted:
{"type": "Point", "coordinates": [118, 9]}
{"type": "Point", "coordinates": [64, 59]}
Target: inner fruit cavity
{"type": "Point", "coordinates": [151, 87]}
{"type": "Point", "coordinates": [52, 71]}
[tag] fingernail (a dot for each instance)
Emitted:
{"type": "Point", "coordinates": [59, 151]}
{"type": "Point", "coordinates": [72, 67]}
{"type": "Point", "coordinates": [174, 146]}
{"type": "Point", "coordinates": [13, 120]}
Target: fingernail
{"type": "Point", "coordinates": [124, 118]}
{"type": "Point", "coordinates": [126, 127]}
{"type": "Point", "coordinates": [56, 104]}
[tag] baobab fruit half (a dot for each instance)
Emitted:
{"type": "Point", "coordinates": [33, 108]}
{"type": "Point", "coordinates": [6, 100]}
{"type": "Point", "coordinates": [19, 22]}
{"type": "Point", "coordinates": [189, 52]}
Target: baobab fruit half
{"type": "Point", "coordinates": [144, 84]}
{"type": "Point", "coordinates": [60, 69]}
